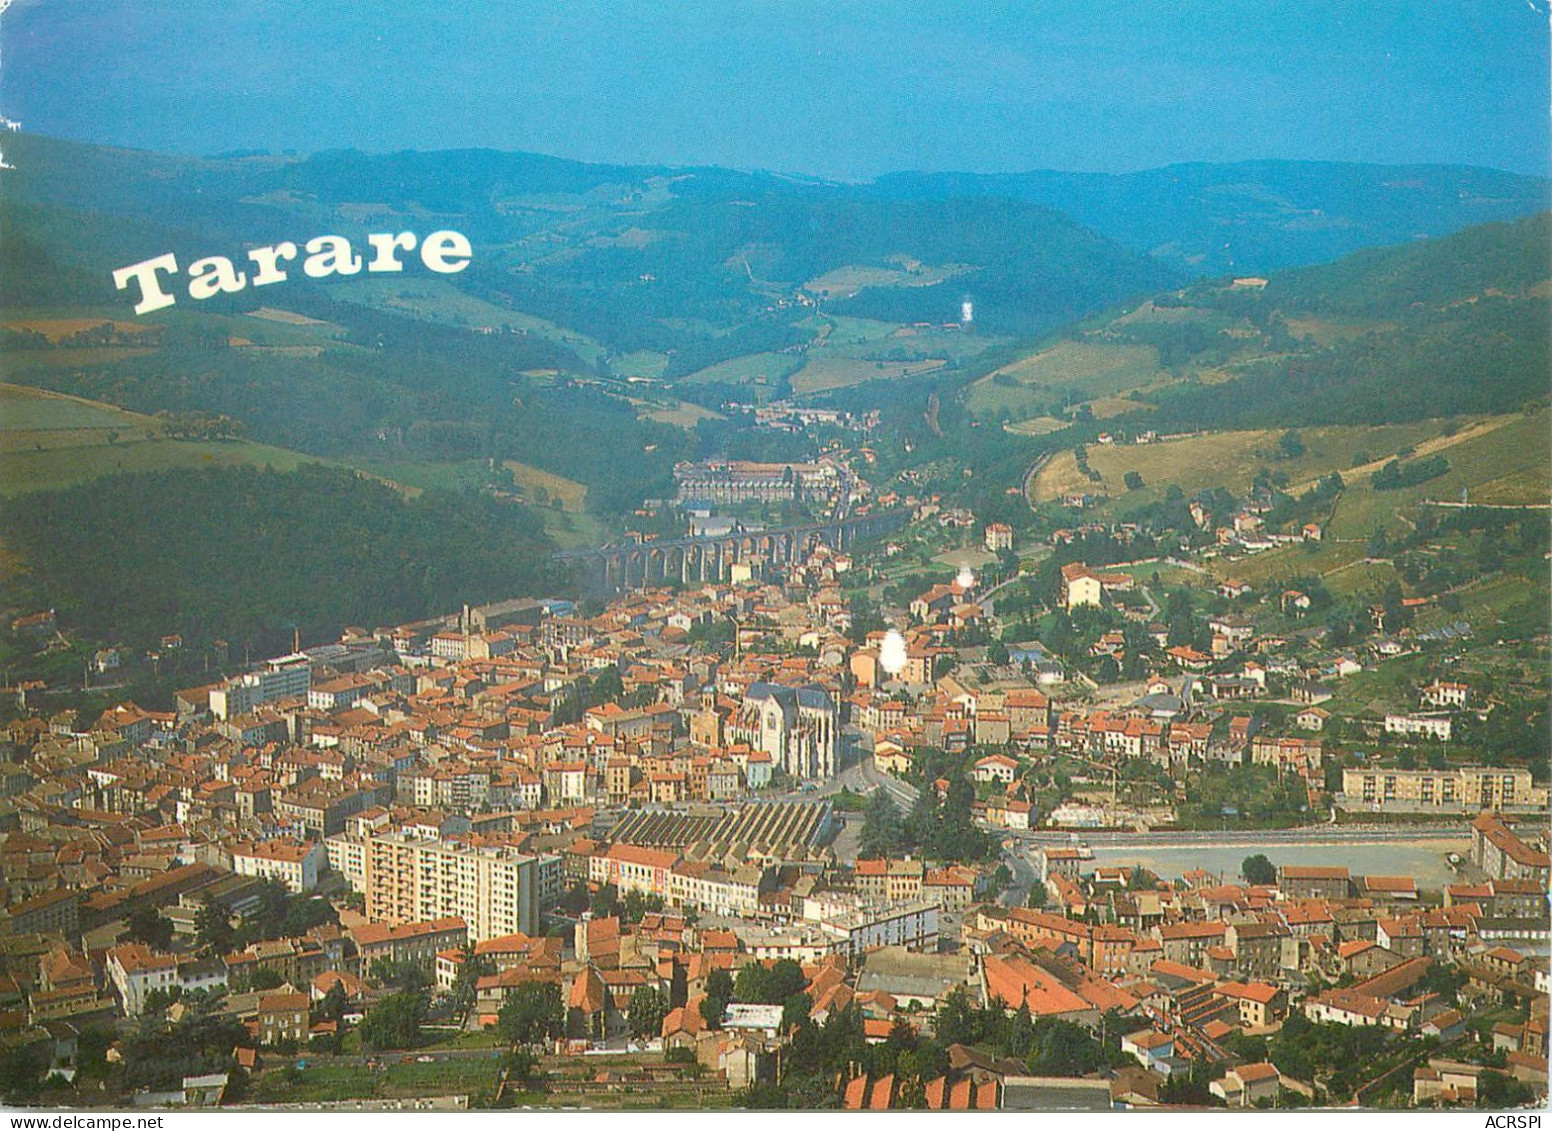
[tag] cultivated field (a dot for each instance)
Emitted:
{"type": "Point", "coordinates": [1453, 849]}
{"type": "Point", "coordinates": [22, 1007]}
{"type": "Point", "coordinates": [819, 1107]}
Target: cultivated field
{"type": "Point", "coordinates": [838, 372]}
{"type": "Point", "coordinates": [1227, 459]}
{"type": "Point", "coordinates": [287, 317]}
{"type": "Point", "coordinates": [1500, 460]}
{"type": "Point", "coordinates": [415, 476]}
{"type": "Point", "coordinates": [1036, 426]}
{"type": "Point", "coordinates": [1482, 601]}
{"type": "Point", "coordinates": [1086, 369]}
{"type": "Point", "coordinates": [25, 471]}
{"type": "Point", "coordinates": [35, 412]}
{"type": "Point", "coordinates": [437, 301]}
{"type": "Point", "coordinates": [54, 329]}
{"type": "Point", "coordinates": [1340, 565]}
{"type": "Point", "coordinates": [751, 368]}
{"type": "Point", "coordinates": [537, 484]}
{"type": "Point", "coordinates": [50, 440]}
{"type": "Point", "coordinates": [681, 414]}
{"type": "Point", "coordinates": [846, 281]}
{"type": "Point", "coordinates": [640, 363]}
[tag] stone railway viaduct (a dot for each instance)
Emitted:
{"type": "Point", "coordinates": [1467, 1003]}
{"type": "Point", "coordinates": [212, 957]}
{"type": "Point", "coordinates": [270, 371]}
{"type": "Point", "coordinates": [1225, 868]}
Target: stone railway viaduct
{"type": "Point", "coordinates": [613, 569]}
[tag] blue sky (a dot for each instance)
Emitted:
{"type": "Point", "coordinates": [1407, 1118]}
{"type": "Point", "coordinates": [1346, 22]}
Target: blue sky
{"type": "Point", "coordinates": [842, 88]}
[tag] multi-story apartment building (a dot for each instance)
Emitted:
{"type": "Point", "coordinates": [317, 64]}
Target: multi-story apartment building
{"type": "Point", "coordinates": [134, 970]}
{"type": "Point", "coordinates": [1299, 881]}
{"type": "Point", "coordinates": [1188, 943]}
{"type": "Point", "coordinates": [630, 868]}
{"type": "Point", "coordinates": [419, 943]}
{"type": "Point", "coordinates": [493, 888]}
{"type": "Point", "coordinates": [1299, 754]}
{"type": "Point", "coordinates": [321, 806]}
{"type": "Point", "coordinates": [1462, 788]}
{"type": "Point", "coordinates": [340, 692]}
{"type": "Point", "coordinates": [282, 1017]}
{"type": "Point", "coordinates": [1257, 947]}
{"type": "Point", "coordinates": [1438, 727]}
{"type": "Point", "coordinates": [55, 912]}
{"type": "Point", "coordinates": [281, 678]}
{"type": "Point", "coordinates": [717, 891]}
{"type": "Point", "coordinates": [1081, 586]}
{"type": "Point", "coordinates": [889, 881]}
{"type": "Point", "coordinates": [912, 925]}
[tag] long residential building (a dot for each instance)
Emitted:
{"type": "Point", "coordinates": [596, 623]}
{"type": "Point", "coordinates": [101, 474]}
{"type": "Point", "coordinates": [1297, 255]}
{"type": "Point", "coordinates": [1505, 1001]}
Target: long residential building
{"type": "Point", "coordinates": [406, 879]}
{"type": "Point", "coordinates": [280, 678]}
{"type": "Point", "coordinates": [739, 481]}
{"type": "Point", "coordinates": [1466, 789]}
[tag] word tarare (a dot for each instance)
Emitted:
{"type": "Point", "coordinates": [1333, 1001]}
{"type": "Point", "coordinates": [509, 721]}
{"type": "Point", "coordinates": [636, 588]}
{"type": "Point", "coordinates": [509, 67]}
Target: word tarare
{"type": "Point", "coordinates": [444, 252]}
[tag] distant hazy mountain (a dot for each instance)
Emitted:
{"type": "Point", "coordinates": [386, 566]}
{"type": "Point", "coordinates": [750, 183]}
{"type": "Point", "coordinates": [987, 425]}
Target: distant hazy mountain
{"type": "Point", "coordinates": [1255, 216]}
{"type": "Point", "coordinates": [700, 265]}
{"type": "Point", "coordinates": [670, 260]}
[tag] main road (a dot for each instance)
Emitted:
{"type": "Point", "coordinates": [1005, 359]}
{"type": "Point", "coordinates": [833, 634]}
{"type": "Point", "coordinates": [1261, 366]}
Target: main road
{"type": "Point", "coordinates": [859, 775]}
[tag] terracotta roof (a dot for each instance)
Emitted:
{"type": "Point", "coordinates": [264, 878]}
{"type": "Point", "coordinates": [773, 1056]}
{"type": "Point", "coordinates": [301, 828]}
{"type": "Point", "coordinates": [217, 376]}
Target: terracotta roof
{"type": "Point", "coordinates": [283, 1003]}
{"type": "Point", "coordinates": [1017, 982]}
{"type": "Point", "coordinates": [1252, 991]}
{"type": "Point", "coordinates": [587, 991]}
{"type": "Point", "coordinates": [1254, 1073]}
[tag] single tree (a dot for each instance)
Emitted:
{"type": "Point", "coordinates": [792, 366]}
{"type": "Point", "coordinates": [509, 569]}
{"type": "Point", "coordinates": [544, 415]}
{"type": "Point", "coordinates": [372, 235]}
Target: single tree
{"type": "Point", "coordinates": [648, 1007]}
{"type": "Point", "coordinates": [532, 1014]}
{"type": "Point", "coordinates": [149, 927]}
{"type": "Point", "coordinates": [213, 927]}
{"type": "Point", "coordinates": [471, 968]}
{"type": "Point", "coordinates": [332, 1008]}
{"type": "Point", "coordinates": [883, 832]}
{"type": "Point", "coordinates": [1258, 869]}
{"type": "Point", "coordinates": [394, 1022]}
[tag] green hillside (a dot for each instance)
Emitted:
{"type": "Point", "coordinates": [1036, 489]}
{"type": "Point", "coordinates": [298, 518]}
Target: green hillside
{"type": "Point", "coordinates": [49, 441]}
{"type": "Point", "coordinates": [1492, 260]}
{"type": "Point", "coordinates": [246, 554]}
{"type": "Point", "coordinates": [1436, 328]}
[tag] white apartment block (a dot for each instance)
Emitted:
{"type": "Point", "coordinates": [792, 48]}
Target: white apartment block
{"type": "Point", "coordinates": [407, 879]}
{"type": "Point", "coordinates": [914, 925]}
{"type": "Point", "coordinates": [715, 891]}
{"type": "Point", "coordinates": [135, 970]}
{"type": "Point", "coordinates": [281, 678]}
{"type": "Point", "coordinates": [347, 856]}
{"type": "Point", "coordinates": [1420, 726]}
{"type": "Point", "coordinates": [297, 863]}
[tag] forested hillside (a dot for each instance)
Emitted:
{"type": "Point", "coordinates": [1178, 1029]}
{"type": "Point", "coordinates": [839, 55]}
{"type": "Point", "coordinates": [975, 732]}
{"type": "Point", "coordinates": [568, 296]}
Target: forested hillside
{"type": "Point", "coordinates": [1457, 325]}
{"type": "Point", "coordinates": [246, 554]}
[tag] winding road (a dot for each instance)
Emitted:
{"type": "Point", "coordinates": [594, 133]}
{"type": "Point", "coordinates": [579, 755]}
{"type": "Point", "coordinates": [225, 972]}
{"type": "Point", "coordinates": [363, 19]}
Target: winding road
{"type": "Point", "coordinates": [1030, 472]}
